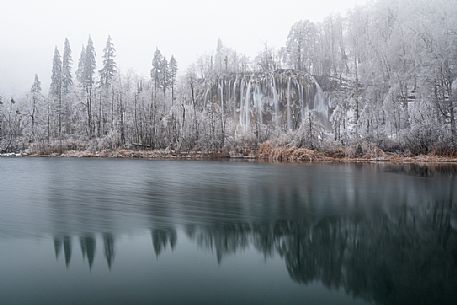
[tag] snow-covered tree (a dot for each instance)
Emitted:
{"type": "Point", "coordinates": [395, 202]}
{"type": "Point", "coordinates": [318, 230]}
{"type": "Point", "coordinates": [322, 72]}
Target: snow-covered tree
{"type": "Point", "coordinates": [67, 79]}
{"type": "Point", "coordinates": [156, 71]}
{"type": "Point", "coordinates": [301, 43]}
{"type": "Point", "coordinates": [109, 68]}
{"type": "Point", "coordinates": [36, 97]}
{"type": "Point", "coordinates": [81, 63]}
{"type": "Point", "coordinates": [173, 71]}
{"type": "Point", "coordinates": [55, 90]}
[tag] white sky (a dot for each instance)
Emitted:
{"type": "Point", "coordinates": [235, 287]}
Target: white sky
{"type": "Point", "coordinates": [29, 30]}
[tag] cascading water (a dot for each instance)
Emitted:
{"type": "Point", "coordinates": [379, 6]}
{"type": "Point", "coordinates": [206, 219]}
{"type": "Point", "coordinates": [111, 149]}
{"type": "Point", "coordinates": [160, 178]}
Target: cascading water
{"type": "Point", "coordinates": [247, 101]}
{"type": "Point", "coordinates": [320, 103]}
{"type": "Point", "coordinates": [258, 102]}
{"type": "Point", "coordinates": [221, 88]}
{"type": "Point", "coordinates": [275, 100]}
{"type": "Point", "coordinates": [233, 98]}
{"type": "Point", "coordinates": [301, 101]}
{"type": "Point", "coordinates": [289, 113]}
{"type": "Point", "coordinates": [266, 98]}
{"type": "Point", "coordinates": [241, 101]}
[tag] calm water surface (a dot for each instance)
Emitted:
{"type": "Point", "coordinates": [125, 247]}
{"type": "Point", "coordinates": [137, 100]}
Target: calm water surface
{"type": "Point", "coordinates": [174, 232]}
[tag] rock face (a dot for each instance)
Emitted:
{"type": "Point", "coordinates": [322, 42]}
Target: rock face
{"type": "Point", "coordinates": [282, 99]}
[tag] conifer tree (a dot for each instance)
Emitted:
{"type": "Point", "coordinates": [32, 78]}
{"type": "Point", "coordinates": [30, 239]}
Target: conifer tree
{"type": "Point", "coordinates": [67, 80]}
{"type": "Point", "coordinates": [109, 65]}
{"type": "Point", "coordinates": [80, 70]}
{"type": "Point", "coordinates": [173, 70]}
{"type": "Point", "coordinates": [88, 81]}
{"type": "Point", "coordinates": [36, 95]}
{"type": "Point", "coordinates": [55, 90]}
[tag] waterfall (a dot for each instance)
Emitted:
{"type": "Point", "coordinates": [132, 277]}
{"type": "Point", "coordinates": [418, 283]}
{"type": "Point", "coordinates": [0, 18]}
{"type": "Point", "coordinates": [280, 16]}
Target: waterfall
{"type": "Point", "coordinates": [241, 101]}
{"type": "Point", "coordinates": [300, 98]}
{"type": "Point", "coordinates": [221, 87]}
{"type": "Point", "coordinates": [233, 99]}
{"type": "Point", "coordinates": [258, 102]}
{"type": "Point", "coordinates": [275, 100]}
{"type": "Point", "coordinates": [289, 114]}
{"type": "Point", "coordinates": [246, 107]}
{"type": "Point", "coordinates": [320, 103]}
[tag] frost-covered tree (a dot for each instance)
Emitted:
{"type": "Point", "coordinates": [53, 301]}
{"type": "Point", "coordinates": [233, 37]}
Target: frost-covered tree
{"type": "Point", "coordinates": [173, 71]}
{"type": "Point", "coordinates": [301, 42]}
{"type": "Point", "coordinates": [55, 90]}
{"type": "Point", "coordinates": [88, 79]}
{"type": "Point", "coordinates": [35, 98]}
{"type": "Point", "coordinates": [164, 75]}
{"type": "Point", "coordinates": [156, 71]}
{"type": "Point", "coordinates": [81, 63]}
{"type": "Point", "coordinates": [109, 68]}
{"type": "Point", "coordinates": [266, 60]}
{"type": "Point", "coordinates": [107, 78]}
{"type": "Point", "coordinates": [89, 65]}
{"type": "Point", "coordinates": [67, 79]}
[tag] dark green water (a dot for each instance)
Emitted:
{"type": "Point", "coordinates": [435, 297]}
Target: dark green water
{"type": "Point", "coordinates": [158, 232]}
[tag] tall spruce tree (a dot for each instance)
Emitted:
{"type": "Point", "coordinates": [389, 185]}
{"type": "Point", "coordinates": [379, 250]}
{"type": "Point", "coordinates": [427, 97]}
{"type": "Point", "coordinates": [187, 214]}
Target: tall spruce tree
{"type": "Point", "coordinates": [36, 96]}
{"type": "Point", "coordinates": [156, 69]}
{"type": "Point", "coordinates": [164, 75]}
{"type": "Point", "coordinates": [55, 90]}
{"type": "Point", "coordinates": [109, 69]}
{"type": "Point", "coordinates": [67, 80]}
{"type": "Point", "coordinates": [80, 70]}
{"type": "Point", "coordinates": [88, 81]}
{"type": "Point", "coordinates": [172, 71]}
{"type": "Point", "coordinates": [89, 65]}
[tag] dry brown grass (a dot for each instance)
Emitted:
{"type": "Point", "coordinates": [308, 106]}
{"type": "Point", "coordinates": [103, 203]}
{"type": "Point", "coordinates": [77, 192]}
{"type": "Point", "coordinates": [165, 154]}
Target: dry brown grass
{"type": "Point", "coordinates": [269, 152]}
{"type": "Point", "coordinates": [266, 152]}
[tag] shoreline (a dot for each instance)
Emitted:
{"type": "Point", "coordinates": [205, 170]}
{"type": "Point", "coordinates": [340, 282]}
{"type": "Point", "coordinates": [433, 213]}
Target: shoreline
{"type": "Point", "coordinates": [269, 154]}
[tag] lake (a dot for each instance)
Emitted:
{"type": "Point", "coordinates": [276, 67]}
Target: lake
{"type": "Point", "coordinates": [104, 231]}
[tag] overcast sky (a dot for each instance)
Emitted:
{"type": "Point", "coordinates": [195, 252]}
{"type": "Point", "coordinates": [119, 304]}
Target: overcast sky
{"type": "Point", "coordinates": [29, 30]}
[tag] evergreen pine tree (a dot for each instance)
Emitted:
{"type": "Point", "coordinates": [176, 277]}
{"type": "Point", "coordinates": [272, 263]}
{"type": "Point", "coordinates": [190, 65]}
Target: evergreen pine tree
{"type": "Point", "coordinates": [172, 70]}
{"type": "Point", "coordinates": [109, 65]}
{"type": "Point", "coordinates": [36, 95]}
{"type": "Point", "coordinates": [88, 81]}
{"type": "Point", "coordinates": [67, 80]}
{"type": "Point", "coordinates": [55, 90]}
{"type": "Point", "coordinates": [156, 69]}
{"type": "Point", "coordinates": [89, 65]}
{"type": "Point", "coordinates": [80, 70]}
{"type": "Point", "coordinates": [164, 75]}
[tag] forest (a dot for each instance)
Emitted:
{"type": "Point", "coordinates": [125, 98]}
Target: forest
{"type": "Point", "coordinates": [381, 78]}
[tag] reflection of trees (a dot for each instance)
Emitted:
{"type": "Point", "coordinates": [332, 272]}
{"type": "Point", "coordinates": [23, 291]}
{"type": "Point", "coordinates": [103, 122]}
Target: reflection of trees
{"type": "Point", "coordinates": [64, 241]}
{"type": "Point", "coordinates": [406, 257]}
{"type": "Point", "coordinates": [162, 237]}
{"type": "Point", "coordinates": [67, 249]}
{"type": "Point", "coordinates": [307, 248]}
{"type": "Point", "coordinates": [108, 243]}
{"type": "Point", "coordinates": [422, 170]}
{"type": "Point", "coordinates": [385, 237]}
{"type": "Point", "coordinates": [88, 244]}
{"type": "Point", "coordinates": [409, 258]}
{"type": "Point", "coordinates": [57, 246]}
{"type": "Point", "coordinates": [222, 239]}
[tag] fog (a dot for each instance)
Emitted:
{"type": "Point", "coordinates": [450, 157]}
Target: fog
{"type": "Point", "coordinates": [31, 29]}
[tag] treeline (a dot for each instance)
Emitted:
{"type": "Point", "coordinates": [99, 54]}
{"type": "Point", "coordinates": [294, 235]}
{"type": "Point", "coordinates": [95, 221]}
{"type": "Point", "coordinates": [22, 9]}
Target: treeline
{"type": "Point", "coordinates": [87, 106]}
{"type": "Point", "coordinates": [387, 70]}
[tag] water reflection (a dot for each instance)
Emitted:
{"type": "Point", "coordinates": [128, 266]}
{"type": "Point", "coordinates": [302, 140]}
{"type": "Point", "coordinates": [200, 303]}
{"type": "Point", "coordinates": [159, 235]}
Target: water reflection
{"type": "Point", "coordinates": [385, 234]}
{"type": "Point", "coordinates": [407, 258]}
{"type": "Point", "coordinates": [108, 245]}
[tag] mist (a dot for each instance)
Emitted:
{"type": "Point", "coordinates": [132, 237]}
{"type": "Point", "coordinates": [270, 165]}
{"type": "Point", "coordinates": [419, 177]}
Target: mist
{"type": "Point", "coordinates": [186, 29]}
